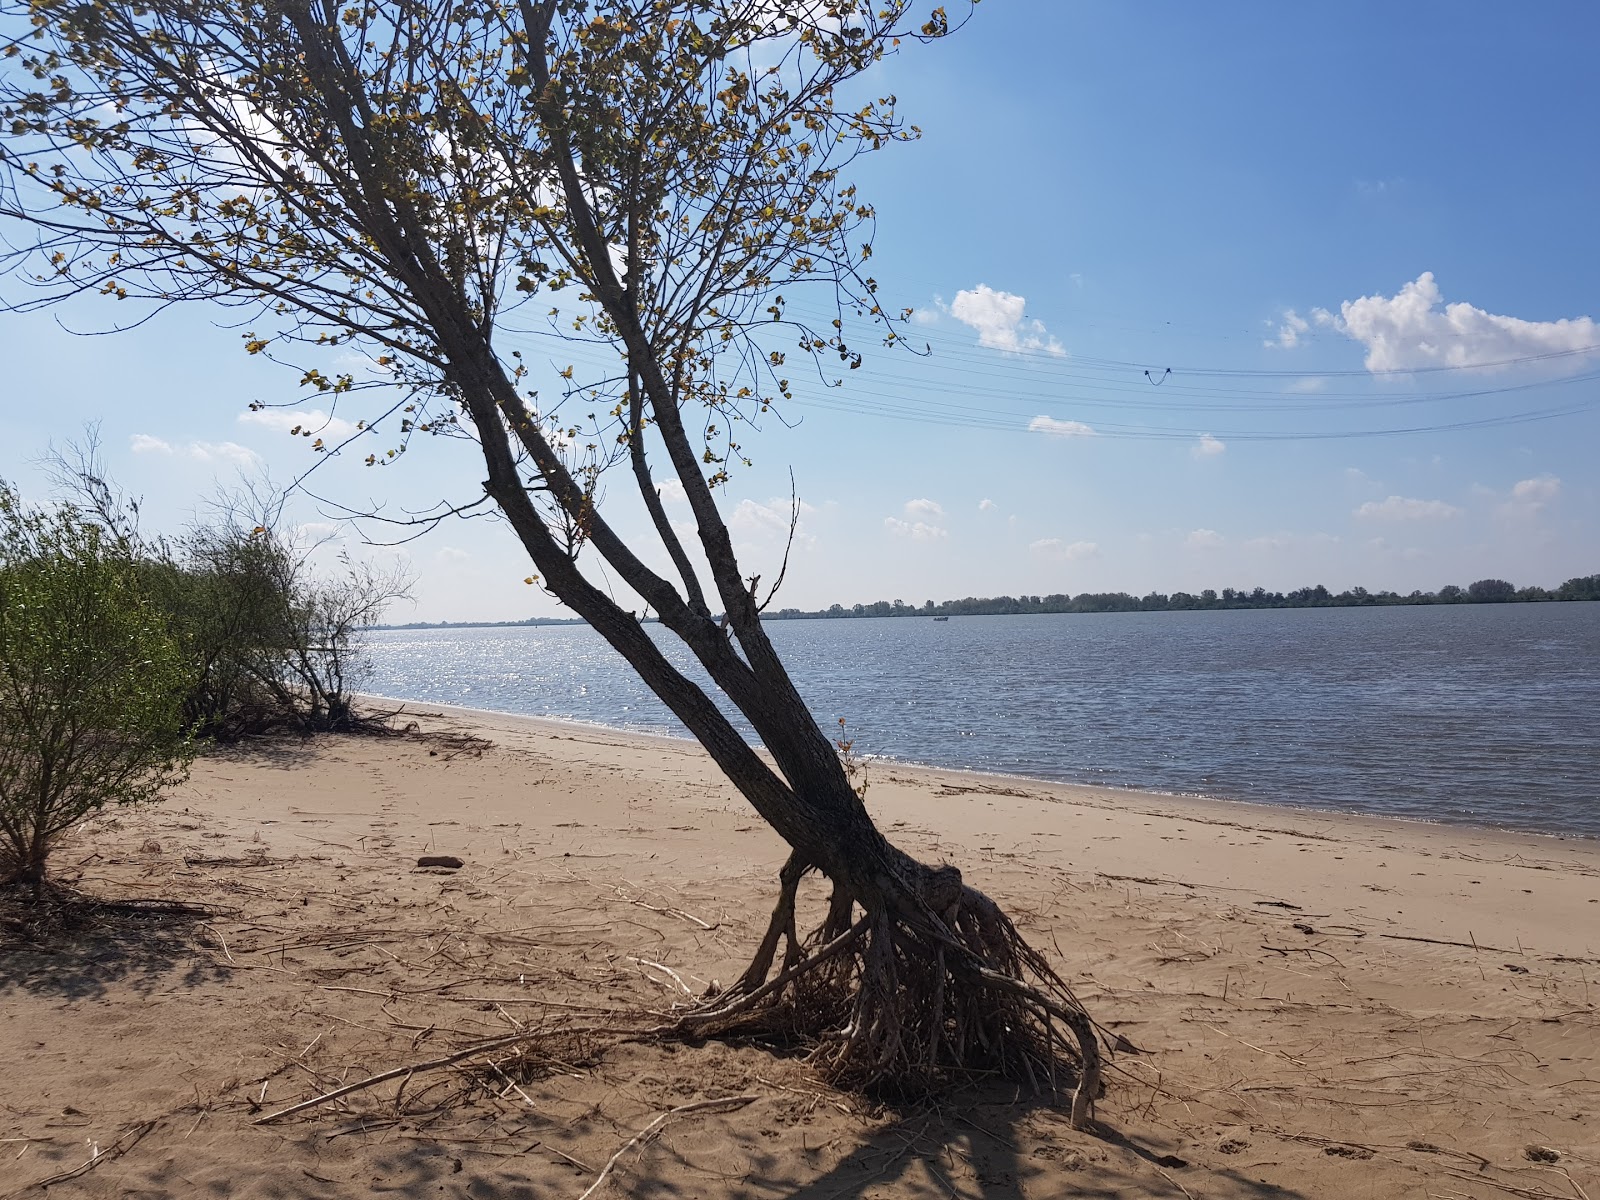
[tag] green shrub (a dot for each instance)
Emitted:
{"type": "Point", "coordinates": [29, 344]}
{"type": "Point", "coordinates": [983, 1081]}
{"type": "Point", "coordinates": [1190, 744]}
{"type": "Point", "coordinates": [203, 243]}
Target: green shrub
{"type": "Point", "coordinates": [91, 683]}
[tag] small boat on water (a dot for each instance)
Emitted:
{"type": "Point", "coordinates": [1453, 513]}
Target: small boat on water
{"type": "Point", "coordinates": [941, 618]}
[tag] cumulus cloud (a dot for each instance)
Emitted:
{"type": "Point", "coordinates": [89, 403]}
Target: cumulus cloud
{"type": "Point", "coordinates": [917, 531]}
{"type": "Point", "coordinates": [987, 505]}
{"type": "Point", "coordinates": [672, 492]}
{"type": "Point", "coordinates": [1536, 491]}
{"type": "Point", "coordinates": [143, 443]}
{"type": "Point", "coordinates": [300, 420]}
{"type": "Point", "coordinates": [773, 517]}
{"type": "Point", "coordinates": [1208, 446]}
{"type": "Point", "coordinates": [997, 316]}
{"type": "Point", "coordinates": [1405, 508]}
{"type": "Point", "coordinates": [1413, 329]}
{"type": "Point", "coordinates": [920, 520]}
{"type": "Point", "coordinates": [1066, 551]}
{"type": "Point", "coordinates": [1290, 330]}
{"type": "Point", "coordinates": [1530, 496]}
{"type": "Point", "coordinates": [1203, 539]}
{"type": "Point", "coordinates": [229, 453]}
{"type": "Point", "coordinates": [767, 522]}
{"type": "Point", "coordinates": [1054, 428]}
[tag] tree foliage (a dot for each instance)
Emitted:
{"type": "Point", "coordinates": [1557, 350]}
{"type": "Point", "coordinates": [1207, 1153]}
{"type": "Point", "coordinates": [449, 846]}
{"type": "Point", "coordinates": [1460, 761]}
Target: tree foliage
{"type": "Point", "coordinates": [91, 683]}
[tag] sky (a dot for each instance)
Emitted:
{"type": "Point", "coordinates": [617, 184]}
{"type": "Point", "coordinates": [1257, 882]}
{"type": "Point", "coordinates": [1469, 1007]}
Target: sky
{"type": "Point", "coordinates": [1207, 296]}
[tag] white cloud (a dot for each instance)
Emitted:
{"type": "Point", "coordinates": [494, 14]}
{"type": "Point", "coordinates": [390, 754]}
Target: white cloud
{"type": "Point", "coordinates": [452, 555]}
{"type": "Point", "coordinates": [987, 505]}
{"type": "Point", "coordinates": [997, 316]}
{"type": "Point", "coordinates": [1055, 428]}
{"type": "Point", "coordinates": [772, 517]}
{"type": "Point", "coordinates": [303, 420]}
{"type": "Point", "coordinates": [206, 452]}
{"type": "Point", "coordinates": [1203, 539]}
{"type": "Point", "coordinates": [143, 443]}
{"type": "Point", "coordinates": [1290, 330]}
{"type": "Point", "coordinates": [919, 525]}
{"type": "Point", "coordinates": [1208, 446]}
{"type": "Point", "coordinates": [1309, 383]}
{"type": "Point", "coordinates": [765, 525]}
{"type": "Point", "coordinates": [672, 491]}
{"type": "Point", "coordinates": [917, 531]}
{"type": "Point", "coordinates": [1537, 491]}
{"type": "Point", "coordinates": [1404, 508]}
{"type": "Point", "coordinates": [1068, 551]}
{"type": "Point", "coordinates": [931, 314]}
{"type": "Point", "coordinates": [1411, 329]}
{"type": "Point", "coordinates": [1529, 496]}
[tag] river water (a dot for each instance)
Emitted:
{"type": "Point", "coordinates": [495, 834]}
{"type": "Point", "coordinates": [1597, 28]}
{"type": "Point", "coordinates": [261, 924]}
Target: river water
{"type": "Point", "coordinates": [1487, 714]}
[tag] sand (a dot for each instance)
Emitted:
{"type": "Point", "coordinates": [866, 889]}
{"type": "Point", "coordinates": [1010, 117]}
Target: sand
{"type": "Point", "coordinates": [1326, 1006]}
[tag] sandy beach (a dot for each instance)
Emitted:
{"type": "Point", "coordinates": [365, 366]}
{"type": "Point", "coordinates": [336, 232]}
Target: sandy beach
{"type": "Point", "coordinates": [1322, 1005]}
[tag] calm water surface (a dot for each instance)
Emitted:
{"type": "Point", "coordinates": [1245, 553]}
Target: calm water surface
{"type": "Point", "coordinates": [1481, 713]}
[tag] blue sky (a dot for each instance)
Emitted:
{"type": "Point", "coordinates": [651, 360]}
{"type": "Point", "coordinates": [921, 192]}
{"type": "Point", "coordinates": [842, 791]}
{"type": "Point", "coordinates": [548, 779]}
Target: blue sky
{"type": "Point", "coordinates": [1326, 220]}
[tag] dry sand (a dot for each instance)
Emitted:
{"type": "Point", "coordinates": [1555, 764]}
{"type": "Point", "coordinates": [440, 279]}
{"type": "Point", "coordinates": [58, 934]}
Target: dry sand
{"type": "Point", "coordinates": [1328, 1006]}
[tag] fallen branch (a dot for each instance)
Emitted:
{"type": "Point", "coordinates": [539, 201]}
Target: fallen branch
{"type": "Point", "coordinates": [726, 1102]}
{"type": "Point", "coordinates": [127, 1141]}
{"type": "Point", "coordinates": [1147, 880]}
{"type": "Point", "coordinates": [1472, 945]}
{"type": "Point", "coordinates": [371, 1080]}
{"type": "Point", "coordinates": [671, 912]}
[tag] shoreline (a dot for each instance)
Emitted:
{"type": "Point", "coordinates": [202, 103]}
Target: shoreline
{"type": "Point", "coordinates": [1233, 833]}
{"type": "Point", "coordinates": [489, 716]}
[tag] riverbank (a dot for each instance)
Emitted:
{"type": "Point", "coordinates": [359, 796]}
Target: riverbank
{"type": "Point", "coordinates": [1329, 1005]}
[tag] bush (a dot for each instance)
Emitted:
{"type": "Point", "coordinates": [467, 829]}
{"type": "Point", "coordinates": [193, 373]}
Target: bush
{"type": "Point", "coordinates": [91, 683]}
{"type": "Point", "coordinates": [276, 644]}
{"type": "Point", "coordinates": [272, 644]}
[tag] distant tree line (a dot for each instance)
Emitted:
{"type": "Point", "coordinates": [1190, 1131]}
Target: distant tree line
{"type": "Point", "coordinates": [1483, 591]}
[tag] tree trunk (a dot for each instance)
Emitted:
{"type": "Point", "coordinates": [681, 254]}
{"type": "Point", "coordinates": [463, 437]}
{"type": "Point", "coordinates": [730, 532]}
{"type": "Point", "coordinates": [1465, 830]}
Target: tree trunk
{"type": "Point", "coordinates": [936, 980]}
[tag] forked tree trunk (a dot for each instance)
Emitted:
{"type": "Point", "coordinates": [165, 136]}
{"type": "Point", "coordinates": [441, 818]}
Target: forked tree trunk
{"type": "Point", "coordinates": [932, 980]}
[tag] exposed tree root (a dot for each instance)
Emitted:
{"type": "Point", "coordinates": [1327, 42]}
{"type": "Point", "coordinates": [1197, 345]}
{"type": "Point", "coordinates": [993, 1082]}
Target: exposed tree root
{"type": "Point", "coordinates": [910, 996]}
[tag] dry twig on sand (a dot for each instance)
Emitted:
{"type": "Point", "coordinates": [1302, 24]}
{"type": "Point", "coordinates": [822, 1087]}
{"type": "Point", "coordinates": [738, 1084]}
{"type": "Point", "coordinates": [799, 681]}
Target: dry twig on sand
{"type": "Point", "coordinates": [724, 1103]}
{"type": "Point", "coordinates": [127, 1141]}
{"type": "Point", "coordinates": [396, 1073]}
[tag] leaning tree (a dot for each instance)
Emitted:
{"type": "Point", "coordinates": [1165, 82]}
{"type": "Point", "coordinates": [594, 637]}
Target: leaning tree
{"type": "Point", "coordinates": [408, 181]}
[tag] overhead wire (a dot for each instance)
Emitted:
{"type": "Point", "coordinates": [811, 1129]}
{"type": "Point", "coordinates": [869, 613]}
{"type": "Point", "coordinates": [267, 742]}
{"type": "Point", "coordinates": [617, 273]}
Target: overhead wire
{"type": "Point", "coordinates": [1015, 385]}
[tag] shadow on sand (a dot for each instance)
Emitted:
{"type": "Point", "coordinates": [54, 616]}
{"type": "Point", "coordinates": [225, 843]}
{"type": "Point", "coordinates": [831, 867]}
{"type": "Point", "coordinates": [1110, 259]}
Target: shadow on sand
{"type": "Point", "coordinates": [77, 947]}
{"type": "Point", "coordinates": [969, 1149]}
